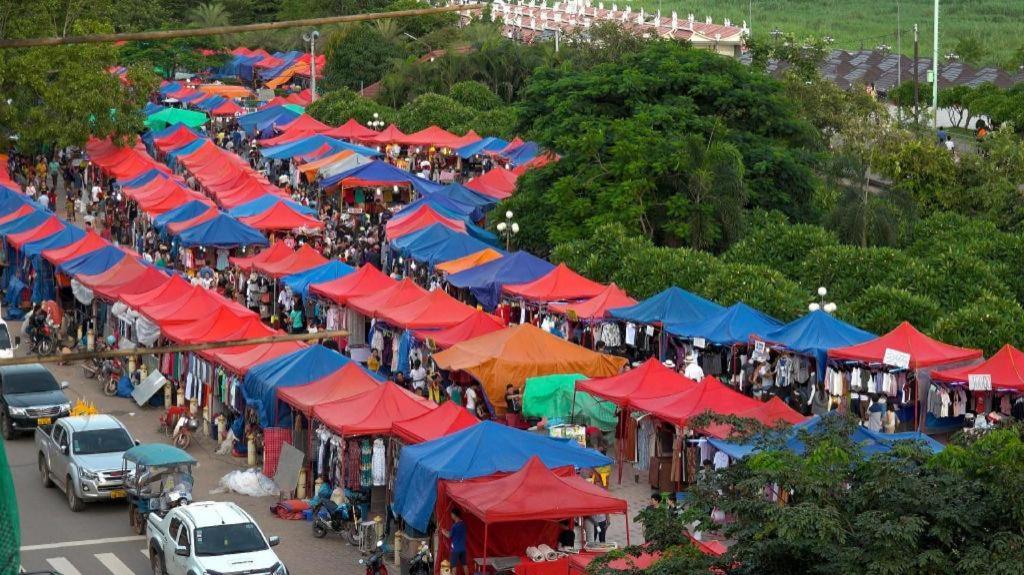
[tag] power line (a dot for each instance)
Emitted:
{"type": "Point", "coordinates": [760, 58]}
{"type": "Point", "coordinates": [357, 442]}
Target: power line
{"type": "Point", "coordinates": [216, 30]}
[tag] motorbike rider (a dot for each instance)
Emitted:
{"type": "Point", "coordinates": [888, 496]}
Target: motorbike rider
{"type": "Point", "coordinates": [37, 324]}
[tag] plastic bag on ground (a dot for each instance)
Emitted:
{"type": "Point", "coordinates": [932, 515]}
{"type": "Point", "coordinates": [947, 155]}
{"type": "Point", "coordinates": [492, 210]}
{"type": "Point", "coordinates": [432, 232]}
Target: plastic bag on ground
{"type": "Point", "coordinates": [249, 482]}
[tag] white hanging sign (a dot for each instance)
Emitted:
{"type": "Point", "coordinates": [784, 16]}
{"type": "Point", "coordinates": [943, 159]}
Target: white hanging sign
{"type": "Point", "coordinates": [979, 381]}
{"type": "Point", "coordinates": [896, 358]}
{"type": "Point", "coordinates": [759, 347]}
{"type": "Point", "coordinates": [699, 343]}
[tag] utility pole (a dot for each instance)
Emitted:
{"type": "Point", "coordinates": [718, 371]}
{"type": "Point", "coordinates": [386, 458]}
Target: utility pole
{"type": "Point", "coordinates": [312, 37]}
{"type": "Point", "coordinates": [917, 85]}
{"type": "Point", "coordinates": [935, 71]}
{"type": "Point", "coordinates": [899, 47]}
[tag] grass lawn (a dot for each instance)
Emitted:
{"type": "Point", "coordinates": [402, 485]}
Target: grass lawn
{"type": "Point", "coordinates": [855, 24]}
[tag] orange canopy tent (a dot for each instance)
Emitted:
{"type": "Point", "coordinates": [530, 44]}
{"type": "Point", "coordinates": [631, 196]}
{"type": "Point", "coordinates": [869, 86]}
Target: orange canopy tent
{"type": "Point", "coordinates": [304, 125]}
{"type": "Point", "coordinates": [349, 381]}
{"type": "Point", "coordinates": [471, 261]}
{"type": "Point", "coordinates": [373, 412]}
{"type": "Point", "coordinates": [364, 281]}
{"type": "Point", "coordinates": [435, 310]}
{"type": "Point", "coordinates": [560, 284]}
{"type": "Point", "coordinates": [514, 354]}
{"type": "Point", "coordinates": [399, 294]}
{"type": "Point", "coordinates": [275, 253]}
{"type": "Point", "coordinates": [596, 307]}
{"type": "Point", "coordinates": [303, 259]}
{"type": "Point", "coordinates": [193, 305]}
{"type": "Point", "coordinates": [226, 90]}
{"type": "Point", "coordinates": [309, 170]}
{"type": "Point", "coordinates": [480, 323]}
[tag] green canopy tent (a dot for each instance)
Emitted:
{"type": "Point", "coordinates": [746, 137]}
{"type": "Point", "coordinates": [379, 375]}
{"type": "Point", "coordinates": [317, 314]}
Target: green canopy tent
{"type": "Point", "coordinates": [551, 396]}
{"type": "Point", "coordinates": [170, 116]}
{"type": "Point", "coordinates": [295, 108]}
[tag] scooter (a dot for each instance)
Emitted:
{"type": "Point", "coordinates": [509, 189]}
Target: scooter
{"type": "Point", "coordinates": [423, 562]}
{"type": "Point", "coordinates": [111, 371]}
{"type": "Point", "coordinates": [375, 562]}
{"type": "Point", "coordinates": [183, 430]}
{"type": "Point", "coordinates": [329, 517]}
{"type": "Point", "coordinates": [43, 342]}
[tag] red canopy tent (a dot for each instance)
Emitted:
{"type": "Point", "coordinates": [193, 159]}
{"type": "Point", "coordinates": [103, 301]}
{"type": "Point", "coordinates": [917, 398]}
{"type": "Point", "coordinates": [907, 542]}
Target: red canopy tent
{"type": "Point", "coordinates": [178, 227]}
{"type": "Point", "coordinates": [282, 217]}
{"type": "Point", "coordinates": [541, 160]}
{"type": "Point", "coordinates": [435, 309]}
{"type": "Point", "coordinates": [905, 338]}
{"type": "Point", "coordinates": [351, 130]}
{"type": "Point", "coordinates": [349, 381]}
{"type": "Point", "coordinates": [560, 284]}
{"type": "Point", "coordinates": [770, 412]}
{"type": "Point", "coordinates": [399, 294]}
{"type": "Point", "coordinates": [364, 281]}
{"type": "Point", "coordinates": [239, 359]}
{"type": "Point", "coordinates": [432, 136]}
{"type": "Point", "coordinates": [226, 325]}
{"type": "Point", "coordinates": [88, 244]}
{"type": "Point", "coordinates": [470, 137]}
{"type": "Point", "coordinates": [304, 125]}
{"type": "Point", "coordinates": [44, 230]}
{"type": "Point", "coordinates": [21, 212]}
{"type": "Point", "coordinates": [179, 136]}
{"type": "Point", "coordinates": [709, 395]}
{"type": "Point", "coordinates": [195, 304]}
{"type": "Point", "coordinates": [173, 289]}
{"type": "Point", "coordinates": [578, 563]}
{"type": "Point", "coordinates": [497, 183]}
{"type": "Point", "coordinates": [446, 419]}
{"type": "Point", "coordinates": [521, 509]}
{"type": "Point", "coordinates": [597, 307]}
{"type": "Point", "coordinates": [389, 135]}
{"type": "Point", "coordinates": [648, 381]}
{"type": "Point", "coordinates": [124, 277]}
{"type": "Point", "coordinates": [275, 253]}
{"type": "Point", "coordinates": [229, 108]}
{"type": "Point", "coordinates": [1005, 369]}
{"type": "Point", "coordinates": [418, 219]}
{"type": "Point", "coordinates": [372, 412]}
{"type": "Point", "coordinates": [303, 259]}
{"type": "Point", "coordinates": [480, 323]}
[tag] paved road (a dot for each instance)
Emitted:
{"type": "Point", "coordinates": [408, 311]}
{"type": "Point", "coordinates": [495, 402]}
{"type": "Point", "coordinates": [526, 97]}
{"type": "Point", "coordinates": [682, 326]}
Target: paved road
{"type": "Point", "coordinates": [98, 540]}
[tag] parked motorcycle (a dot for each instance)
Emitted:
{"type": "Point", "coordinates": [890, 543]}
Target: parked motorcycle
{"type": "Point", "coordinates": [329, 517]}
{"type": "Point", "coordinates": [423, 562]}
{"type": "Point", "coordinates": [91, 367]}
{"type": "Point", "coordinates": [183, 430]}
{"type": "Point", "coordinates": [375, 562]}
{"type": "Point", "coordinates": [43, 341]}
{"type": "Point", "coordinates": [111, 371]}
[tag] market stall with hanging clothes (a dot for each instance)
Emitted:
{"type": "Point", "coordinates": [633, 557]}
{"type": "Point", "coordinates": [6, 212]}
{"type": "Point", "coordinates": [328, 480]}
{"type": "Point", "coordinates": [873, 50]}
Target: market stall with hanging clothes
{"type": "Point", "coordinates": [985, 393]}
{"type": "Point", "coordinates": [485, 282]}
{"type": "Point", "coordinates": [646, 320]}
{"type": "Point", "coordinates": [893, 373]}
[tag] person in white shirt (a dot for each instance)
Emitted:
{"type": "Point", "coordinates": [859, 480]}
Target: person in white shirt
{"type": "Point", "coordinates": [693, 371]}
{"type": "Point", "coordinates": [471, 399]}
{"type": "Point", "coordinates": [96, 192]}
{"type": "Point", "coordinates": [44, 201]}
{"type": "Point", "coordinates": [418, 375]}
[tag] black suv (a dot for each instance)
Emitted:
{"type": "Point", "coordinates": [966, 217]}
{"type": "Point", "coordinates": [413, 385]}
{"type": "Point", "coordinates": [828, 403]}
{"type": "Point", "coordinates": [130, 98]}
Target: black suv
{"type": "Point", "coordinates": [29, 397]}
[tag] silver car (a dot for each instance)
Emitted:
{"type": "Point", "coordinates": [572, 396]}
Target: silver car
{"type": "Point", "coordinates": [83, 456]}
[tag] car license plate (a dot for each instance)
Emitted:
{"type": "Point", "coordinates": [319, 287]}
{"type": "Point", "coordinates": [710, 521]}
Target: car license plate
{"type": "Point", "coordinates": [44, 421]}
{"type": "Point", "coordinates": [117, 494]}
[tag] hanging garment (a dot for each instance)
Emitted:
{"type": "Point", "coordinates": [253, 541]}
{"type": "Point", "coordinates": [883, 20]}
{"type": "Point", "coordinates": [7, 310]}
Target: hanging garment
{"type": "Point", "coordinates": [378, 463]}
{"type": "Point", "coordinates": [365, 462]}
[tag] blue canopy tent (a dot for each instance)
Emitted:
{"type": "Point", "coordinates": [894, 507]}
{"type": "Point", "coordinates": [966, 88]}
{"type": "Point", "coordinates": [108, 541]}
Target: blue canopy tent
{"type": "Point", "coordinates": [471, 228]}
{"type": "Point", "coordinates": [264, 203]}
{"type": "Point", "coordinates": [815, 334]}
{"type": "Point", "coordinates": [489, 144]}
{"type": "Point", "coordinates": [438, 243]}
{"type": "Point", "coordinates": [463, 196]}
{"type": "Point", "coordinates": [29, 222]}
{"type": "Point", "coordinates": [186, 211]}
{"type": "Point", "coordinates": [331, 270]}
{"type": "Point", "coordinates": [150, 108]}
{"type": "Point", "coordinates": [479, 450]}
{"type": "Point", "coordinates": [443, 205]}
{"type": "Point", "coordinates": [221, 231]}
{"type": "Point", "coordinates": [310, 144]}
{"type": "Point", "coordinates": [870, 442]}
{"type": "Point", "coordinates": [673, 305]}
{"type": "Point", "coordinates": [379, 173]}
{"type": "Point", "coordinates": [11, 200]}
{"type": "Point", "coordinates": [211, 103]}
{"type": "Point", "coordinates": [142, 179]}
{"type": "Point", "coordinates": [172, 156]}
{"type": "Point", "coordinates": [522, 154]}
{"type": "Point", "coordinates": [192, 97]}
{"type": "Point", "coordinates": [171, 87]}
{"type": "Point", "coordinates": [297, 368]}
{"type": "Point", "coordinates": [43, 286]}
{"type": "Point", "coordinates": [287, 58]}
{"type": "Point", "coordinates": [93, 262]}
{"type": "Point", "coordinates": [735, 324]}
{"type": "Point", "coordinates": [485, 281]}
{"type": "Point", "coordinates": [257, 121]}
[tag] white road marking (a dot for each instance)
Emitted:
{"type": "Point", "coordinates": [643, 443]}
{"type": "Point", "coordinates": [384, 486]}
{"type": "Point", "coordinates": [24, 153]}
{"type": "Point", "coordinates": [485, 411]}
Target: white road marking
{"type": "Point", "coordinates": [83, 542]}
{"type": "Point", "coordinates": [63, 566]}
{"type": "Point", "coordinates": [145, 552]}
{"type": "Point", "coordinates": [115, 565]}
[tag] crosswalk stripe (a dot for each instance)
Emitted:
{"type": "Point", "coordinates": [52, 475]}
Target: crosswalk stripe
{"type": "Point", "coordinates": [115, 565]}
{"type": "Point", "coordinates": [63, 566]}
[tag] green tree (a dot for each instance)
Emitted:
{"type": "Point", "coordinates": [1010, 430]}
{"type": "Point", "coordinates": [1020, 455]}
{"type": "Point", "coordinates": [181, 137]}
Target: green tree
{"type": "Point", "coordinates": [988, 322]}
{"type": "Point", "coordinates": [420, 25]}
{"type": "Point", "coordinates": [919, 169]}
{"type": "Point", "coordinates": [181, 54]}
{"type": "Point", "coordinates": [756, 285]}
{"type": "Point", "coordinates": [956, 99]}
{"type": "Point", "coordinates": [780, 246]}
{"type": "Point", "coordinates": [58, 96]}
{"type": "Point", "coordinates": [880, 308]}
{"type": "Point", "coordinates": [339, 106]}
{"type": "Point", "coordinates": [357, 57]}
{"type": "Point", "coordinates": [709, 211]}
{"type": "Point", "coordinates": [849, 270]}
{"type": "Point", "coordinates": [499, 122]}
{"type": "Point", "coordinates": [474, 94]}
{"type": "Point", "coordinates": [970, 49]}
{"type": "Point", "coordinates": [646, 272]}
{"type": "Point", "coordinates": [433, 110]}
{"type": "Point", "coordinates": [803, 55]}
{"type": "Point", "coordinates": [209, 15]}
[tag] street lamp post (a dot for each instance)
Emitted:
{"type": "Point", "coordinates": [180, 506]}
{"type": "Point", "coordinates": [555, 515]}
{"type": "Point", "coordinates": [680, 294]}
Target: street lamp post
{"type": "Point", "coordinates": [376, 123]}
{"type": "Point", "coordinates": [821, 304]}
{"type": "Point", "coordinates": [508, 228]}
{"type": "Point", "coordinates": [935, 70]}
{"type": "Point", "coordinates": [312, 37]}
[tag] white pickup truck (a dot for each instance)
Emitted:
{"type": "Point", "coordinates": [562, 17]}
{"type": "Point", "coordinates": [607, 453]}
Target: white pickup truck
{"type": "Point", "coordinates": [210, 538]}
